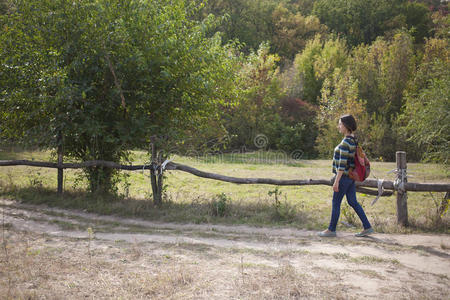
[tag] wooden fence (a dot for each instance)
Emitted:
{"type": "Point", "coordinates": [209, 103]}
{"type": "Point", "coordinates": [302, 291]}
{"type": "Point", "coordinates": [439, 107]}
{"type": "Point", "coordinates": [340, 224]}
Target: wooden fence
{"type": "Point", "coordinates": [383, 188]}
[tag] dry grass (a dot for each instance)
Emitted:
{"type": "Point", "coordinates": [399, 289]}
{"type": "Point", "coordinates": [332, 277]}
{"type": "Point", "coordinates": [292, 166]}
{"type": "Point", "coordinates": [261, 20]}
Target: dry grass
{"type": "Point", "coordinates": [42, 266]}
{"type": "Point", "coordinates": [35, 269]}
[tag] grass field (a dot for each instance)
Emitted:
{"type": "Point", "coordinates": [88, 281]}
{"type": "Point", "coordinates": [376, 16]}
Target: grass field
{"type": "Point", "coordinates": [198, 200]}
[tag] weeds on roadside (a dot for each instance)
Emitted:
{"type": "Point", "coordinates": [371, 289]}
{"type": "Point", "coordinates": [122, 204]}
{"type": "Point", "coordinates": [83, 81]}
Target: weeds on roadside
{"type": "Point", "coordinates": [220, 205]}
{"type": "Point", "coordinates": [90, 237]}
{"type": "Point", "coordinates": [35, 180]}
{"type": "Point", "coordinates": [282, 211]}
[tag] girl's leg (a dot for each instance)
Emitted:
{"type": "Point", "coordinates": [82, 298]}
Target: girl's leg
{"type": "Point", "coordinates": [351, 199]}
{"type": "Point", "coordinates": [336, 206]}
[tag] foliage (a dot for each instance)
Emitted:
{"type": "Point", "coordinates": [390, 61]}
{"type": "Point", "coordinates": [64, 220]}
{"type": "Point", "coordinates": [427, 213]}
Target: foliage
{"type": "Point", "coordinates": [339, 97]}
{"type": "Point", "coordinates": [317, 62]}
{"type": "Point", "coordinates": [257, 107]}
{"type": "Point", "coordinates": [396, 70]}
{"type": "Point", "coordinates": [285, 25]}
{"type": "Point", "coordinates": [220, 205]}
{"type": "Point", "coordinates": [106, 75]}
{"type": "Point", "coordinates": [370, 86]}
{"type": "Point", "coordinates": [292, 31]}
{"type": "Point", "coordinates": [306, 76]}
{"type": "Point", "coordinates": [362, 21]}
{"type": "Point", "coordinates": [423, 120]}
{"type": "Point", "coordinates": [427, 115]}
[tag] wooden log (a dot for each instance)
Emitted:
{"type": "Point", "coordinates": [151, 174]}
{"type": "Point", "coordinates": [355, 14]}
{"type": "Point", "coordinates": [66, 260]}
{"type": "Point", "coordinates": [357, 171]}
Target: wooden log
{"type": "Point", "coordinates": [389, 185]}
{"type": "Point", "coordinates": [86, 164]}
{"type": "Point", "coordinates": [374, 192]}
{"type": "Point", "coordinates": [238, 180]}
{"type": "Point", "coordinates": [402, 196]}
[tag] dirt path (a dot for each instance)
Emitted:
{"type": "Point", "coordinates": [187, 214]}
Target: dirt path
{"type": "Point", "coordinates": [50, 250]}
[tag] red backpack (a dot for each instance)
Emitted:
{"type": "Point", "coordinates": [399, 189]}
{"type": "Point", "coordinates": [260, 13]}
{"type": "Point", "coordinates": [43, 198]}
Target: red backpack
{"type": "Point", "coordinates": [362, 166]}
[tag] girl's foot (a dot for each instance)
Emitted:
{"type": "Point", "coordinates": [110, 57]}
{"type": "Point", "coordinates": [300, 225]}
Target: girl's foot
{"type": "Point", "coordinates": [327, 233]}
{"type": "Point", "coordinates": [365, 232]}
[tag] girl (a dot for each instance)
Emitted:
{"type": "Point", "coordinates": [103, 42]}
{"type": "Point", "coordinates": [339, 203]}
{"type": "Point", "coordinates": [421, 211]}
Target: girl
{"type": "Point", "coordinates": [343, 160]}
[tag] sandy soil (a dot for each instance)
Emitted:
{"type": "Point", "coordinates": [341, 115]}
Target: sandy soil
{"type": "Point", "coordinates": [49, 253]}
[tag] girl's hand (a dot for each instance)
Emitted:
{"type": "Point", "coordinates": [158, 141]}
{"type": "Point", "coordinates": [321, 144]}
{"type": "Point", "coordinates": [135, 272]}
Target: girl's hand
{"type": "Point", "coordinates": [336, 181]}
{"type": "Point", "coordinates": [336, 186]}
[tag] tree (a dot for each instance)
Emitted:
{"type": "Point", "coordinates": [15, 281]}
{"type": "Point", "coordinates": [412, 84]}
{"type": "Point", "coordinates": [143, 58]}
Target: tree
{"type": "Point", "coordinates": [258, 105]}
{"type": "Point", "coordinates": [292, 31]}
{"type": "Point", "coordinates": [316, 62]}
{"type": "Point", "coordinates": [107, 75]}
{"type": "Point", "coordinates": [426, 115]}
{"type": "Point", "coordinates": [396, 70]}
{"type": "Point", "coordinates": [418, 20]}
{"type": "Point", "coordinates": [248, 21]}
{"type": "Point", "coordinates": [362, 21]}
{"type": "Point", "coordinates": [339, 97]}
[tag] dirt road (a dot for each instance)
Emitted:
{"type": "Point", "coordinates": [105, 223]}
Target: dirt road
{"type": "Point", "coordinates": [54, 253]}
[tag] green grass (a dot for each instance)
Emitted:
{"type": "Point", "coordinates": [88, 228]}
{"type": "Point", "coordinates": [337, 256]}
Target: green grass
{"type": "Point", "coordinates": [193, 199]}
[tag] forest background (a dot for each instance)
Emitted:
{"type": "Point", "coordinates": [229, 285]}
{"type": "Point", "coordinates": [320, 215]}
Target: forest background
{"type": "Point", "coordinates": [99, 78]}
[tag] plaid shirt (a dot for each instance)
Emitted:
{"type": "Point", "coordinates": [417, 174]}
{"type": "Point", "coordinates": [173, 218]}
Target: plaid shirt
{"type": "Point", "coordinates": [344, 155]}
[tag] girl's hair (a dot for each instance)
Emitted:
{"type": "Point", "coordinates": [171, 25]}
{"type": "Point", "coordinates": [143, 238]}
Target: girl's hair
{"type": "Point", "coordinates": [349, 122]}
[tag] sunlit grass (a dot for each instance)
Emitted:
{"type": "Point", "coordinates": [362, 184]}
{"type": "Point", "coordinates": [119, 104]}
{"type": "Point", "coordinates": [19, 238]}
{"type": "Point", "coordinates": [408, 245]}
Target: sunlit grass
{"type": "Point", "coordinates": [188, 198]}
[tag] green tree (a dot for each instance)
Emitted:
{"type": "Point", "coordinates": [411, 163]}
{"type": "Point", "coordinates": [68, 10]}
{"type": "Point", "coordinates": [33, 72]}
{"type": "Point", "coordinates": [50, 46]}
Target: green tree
{"type": "Point", "coordinates": [426, 116]}
{"type": "Point", "coordinates": [258, 103]}
{"type": "Point", "coordinates": [292, 31]}
{"type": "Point", "coordinates": [286, 25]}
{"type": "Point", "coordinates": [339, 97]}
{"type": "Point", "coordinates": [362, 21]}
{"type": "Point", "coordinates": [418, 20]}
{"type": "Point", "coordinates": [107, 75]}
{"type": "Point", "coordinates": [316, 62]}
{"type": "Point", "coordinates": [365, 64]}
{"type": "Point", "coordinates": [248, 21]}
{"type": "Point", "coordinates": [396, 70]}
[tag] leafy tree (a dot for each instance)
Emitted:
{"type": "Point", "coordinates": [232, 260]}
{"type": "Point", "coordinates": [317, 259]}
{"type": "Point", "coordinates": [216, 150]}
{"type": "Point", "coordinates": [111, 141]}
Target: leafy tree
{"type": "Point", "coordinates": [258, 105]}
{"type": "Point", "coordinates": [248, 21]}
{"type": "Point", "coordinates": [106, 75]}
{"type": "Point", "coordinates": [297, 130]}
{"type": "Point", "coordinates": [286, 25]}
{"type": "Point", "coordinates": [362, 21]}
{"type": "Point", "coordinates": [396, 70]}
{"type": "Point", "coordinates": [317, 62]}
{"type": "Point", "coordinates": [339, 97]}
{"type": "Point", "coordinates": [425, 117]}
{"type": "Point", "coordinates": [292, 31]}
{"type": "Point", "coordinates": [365, 64]}
{"type": "Point", "coordinates": [306, 75]}
{"type": "Point", "coordinates": [441, 24]}
{"type": "Point", "coordinates": [418, 20]}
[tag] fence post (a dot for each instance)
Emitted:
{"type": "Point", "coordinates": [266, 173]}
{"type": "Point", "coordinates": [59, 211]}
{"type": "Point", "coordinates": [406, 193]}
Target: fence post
{"type": "Point", "coordinates": [155, 183]}
{"type": "Point", "coordinates": [60, 169]}
{"type": "Point", "coordinates": [402, 206]}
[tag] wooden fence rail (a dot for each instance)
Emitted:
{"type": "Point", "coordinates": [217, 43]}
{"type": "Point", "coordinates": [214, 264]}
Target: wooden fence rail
{"type": "Point", "coordinates": [400, 184]}
{"type": "Point", "coordinates": [372, 183]}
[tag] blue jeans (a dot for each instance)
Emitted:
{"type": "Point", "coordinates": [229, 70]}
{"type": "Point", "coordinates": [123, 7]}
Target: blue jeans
{"type": "Point", "coordinates": [347, 188]}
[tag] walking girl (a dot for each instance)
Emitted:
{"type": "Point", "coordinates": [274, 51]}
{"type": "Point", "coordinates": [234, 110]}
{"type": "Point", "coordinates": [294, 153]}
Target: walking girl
{"type": "Point", "coordinates": [343, 160]}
